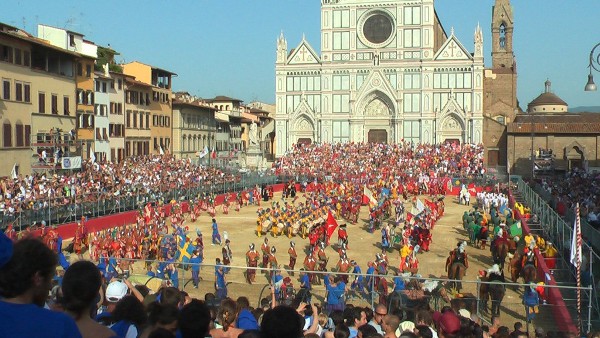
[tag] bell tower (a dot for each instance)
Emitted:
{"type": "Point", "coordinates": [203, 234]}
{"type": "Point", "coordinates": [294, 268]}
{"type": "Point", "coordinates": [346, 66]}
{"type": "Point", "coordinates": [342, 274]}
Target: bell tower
{"type": "Point", "coordinates": [502, 35]}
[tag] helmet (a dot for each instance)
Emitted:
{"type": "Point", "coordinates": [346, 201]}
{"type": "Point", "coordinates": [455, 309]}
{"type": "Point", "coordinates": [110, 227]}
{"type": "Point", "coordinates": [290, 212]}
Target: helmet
{"type": "Point", "coordinates": [252, 246]}
{"type": "Point", "coordinates": [292, 244]}
{"type": "Point", "coordinates": [273, 250]}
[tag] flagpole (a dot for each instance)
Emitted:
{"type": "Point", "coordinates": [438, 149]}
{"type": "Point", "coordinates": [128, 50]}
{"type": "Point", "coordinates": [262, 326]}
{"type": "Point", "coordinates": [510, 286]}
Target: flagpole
{"type": "Point", "coordinates": [578, 253]}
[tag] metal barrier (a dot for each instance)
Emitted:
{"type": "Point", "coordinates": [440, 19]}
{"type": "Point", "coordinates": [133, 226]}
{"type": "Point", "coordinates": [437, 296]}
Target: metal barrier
{"type": "Point", "coordinates": [512, 308]}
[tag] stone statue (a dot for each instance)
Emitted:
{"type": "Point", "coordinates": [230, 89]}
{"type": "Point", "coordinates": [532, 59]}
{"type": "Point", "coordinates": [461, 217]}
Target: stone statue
{"type": "Point", "coordinates": [253, 134]}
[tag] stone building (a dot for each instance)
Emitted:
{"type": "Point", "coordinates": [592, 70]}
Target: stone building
{"type": "Point", "coordinates": [549, 140]}
{"type": "Point", "coordinates": [388, 71]}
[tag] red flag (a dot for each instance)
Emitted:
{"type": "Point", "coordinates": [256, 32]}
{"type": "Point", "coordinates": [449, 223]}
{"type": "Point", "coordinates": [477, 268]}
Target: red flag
{"type": "Point", "coordinates": [213, 153]}
{"type": "Point", "coordinates": [331, 225]}
{"type": "Point", "coordinates": [409, 216]}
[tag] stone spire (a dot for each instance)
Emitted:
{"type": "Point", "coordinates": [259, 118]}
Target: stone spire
{"type": "Point", "coordinates": [478, 39]}
{"type": "Point", "coordinates": [281, 49]}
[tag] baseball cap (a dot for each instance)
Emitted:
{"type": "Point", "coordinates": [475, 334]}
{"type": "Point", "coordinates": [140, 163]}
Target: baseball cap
{"type": "Point", "coordinates": [464, 313]}
{"type": "Point", "coordinates": [447, 321]}
{"type": "Point", "coordinates": [115, 291]}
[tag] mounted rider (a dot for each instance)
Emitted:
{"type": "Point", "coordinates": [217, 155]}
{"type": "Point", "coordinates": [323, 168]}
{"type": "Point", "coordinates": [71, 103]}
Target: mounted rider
{"type": "Point", "coordinates": [529, 256]}
{"type": "Point", "coordinates": [458, 255]}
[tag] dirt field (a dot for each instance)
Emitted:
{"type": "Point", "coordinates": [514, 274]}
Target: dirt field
{"type": "Point", "coordinates": [240, 227]}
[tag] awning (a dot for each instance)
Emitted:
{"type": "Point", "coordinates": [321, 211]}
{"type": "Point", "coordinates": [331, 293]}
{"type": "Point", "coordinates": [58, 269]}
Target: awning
{"type": "Point", "coordinates": [221, 117]}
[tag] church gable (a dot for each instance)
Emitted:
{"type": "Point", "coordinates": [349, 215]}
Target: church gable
{"type": "Point", "coordinates": [452, 107]}
{"type": "Point", "coordinates": [376, 81]}
{"type": "Point", "coordinates": [303, 109]}
{"type": "Point", "coordinates": [452, 49]}
{"type": "Point", "coordinates": [304, 54]}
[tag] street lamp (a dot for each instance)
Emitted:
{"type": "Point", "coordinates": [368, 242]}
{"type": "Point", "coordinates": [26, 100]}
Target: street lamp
{"type": "Point", "coordinates": [594, 64]}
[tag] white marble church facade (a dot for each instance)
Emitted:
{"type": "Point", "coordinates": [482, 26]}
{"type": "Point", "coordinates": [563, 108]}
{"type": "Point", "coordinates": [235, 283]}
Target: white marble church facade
{"type": "Point", "coordinates": [387, 71]}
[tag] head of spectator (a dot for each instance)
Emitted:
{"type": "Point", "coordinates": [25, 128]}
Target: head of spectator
{"type": "Point", "coordinates": [194, 320]}
{"type": "Point", "coordinates": [366, 330]}
{"type": "Point", "coordinates": [424, 331]}
{"type": "Point", "coordinates": [378, 315]}
{"type": "Point", "coordinates": [448, 323]}
{"type": "Point", "coordinates": [128, 317]}
{"type": "Point", "coordinates": [390, 324]}
{"type": "Point", "coordinates": [245, 319]}
{"type": "Point", "coordinates": [161, 333]}
{"type": "Point", "coordinates": [81, 286]}
{"type": "Point", "coordinates": [337, 316]}
{"type": "Point", "coordinates": [341, 331]}
{"type": "Point", "coordinates": [282, 321]}
{"type": "Point", "coordinates": [26, 270]}
{"type": "Point", "coordinates": [356, 318]}
{"type": "Point", "coordinates": [163, 316]}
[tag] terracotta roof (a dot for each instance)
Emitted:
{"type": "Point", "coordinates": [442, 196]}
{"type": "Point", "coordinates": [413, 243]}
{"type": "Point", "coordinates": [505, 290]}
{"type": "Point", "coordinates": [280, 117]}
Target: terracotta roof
{"type": "Point", "coordinates": [195, 103]}
{"type": "Point", "coordinates": [224, 98]}
{"type": "Point", "coordinates": [565, 123]}
{"type": "Point", "coordinates": [42, 43]}
{"type": "Point", "coordinates": [137, 83]}
{"type": "Point", "coordinates": [547, 98]}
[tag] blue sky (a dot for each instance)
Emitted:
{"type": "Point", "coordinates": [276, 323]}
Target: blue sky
{"type": "Point", "coordinates": [227, 47]}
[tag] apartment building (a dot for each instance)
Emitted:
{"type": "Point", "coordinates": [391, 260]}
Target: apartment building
{"type": "Point", "coordinates": [160, 104]}
{"type": "Point", "coordinates": [137, 117]}
{"type": "Point", "coordinates": [194, 127]}
{"type": "Point", "coordinates": [84, 80]}
{"type": "Point", "coordinates": [37, 102]}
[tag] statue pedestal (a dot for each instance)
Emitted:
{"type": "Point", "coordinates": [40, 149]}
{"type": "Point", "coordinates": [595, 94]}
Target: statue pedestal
{"type": "Point", "coordinates": [254, 158]}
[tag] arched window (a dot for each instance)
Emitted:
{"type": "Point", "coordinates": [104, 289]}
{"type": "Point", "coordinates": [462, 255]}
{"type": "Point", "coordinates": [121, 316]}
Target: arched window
{"type": "Point", "coordinates": [7, 134]}
{"type": "Point", "coordinates": [183, 143]}
{"type": "Point", "coordinates": [503, 35]}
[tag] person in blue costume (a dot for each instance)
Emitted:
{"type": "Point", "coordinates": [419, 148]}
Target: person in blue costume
{"type": "Point", "coordinates": [26, 271]}
{"type": "Point", "coordinates": [216, 237]}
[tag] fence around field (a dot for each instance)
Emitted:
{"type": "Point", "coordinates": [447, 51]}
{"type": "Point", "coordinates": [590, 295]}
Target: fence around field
{"type": "Point", "coordinates": [65, 210]}
{"type": "Point", "coordinates": [406, 303]}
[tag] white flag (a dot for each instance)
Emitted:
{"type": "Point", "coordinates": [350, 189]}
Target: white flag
{"type": "Point", "coordinates": [203, 153]}
{"type": "Point", "coordinates": [575, 248]}
{"type": "Point", "coordinates": [13, 172]}
{"type": "Point", "coordinates": [93, 157]}
{"type": "Point", "coordinates": [161, 150]}
{"type": "Point", "coordinates": [420, 205]}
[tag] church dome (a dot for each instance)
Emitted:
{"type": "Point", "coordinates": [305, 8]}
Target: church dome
{"type": "Point", "coordinates": [547, 102]}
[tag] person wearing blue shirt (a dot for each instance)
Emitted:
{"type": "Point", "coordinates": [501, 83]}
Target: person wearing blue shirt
{"type": "Point", "coordinates": [220, 283]}
{"type": "Point", "coordinates": [112, 268]}
{"type": "Point", "coordinates": [358, 282]}
{"type": "Point", "coordinates": [216, 237]}
{"type": "Point", "coordinates": [276, 283]}
{"type": "Point", "coordinates": [335, 293]}
{"type": "Point", "coordinates": [399, 284]}
{"type": "Point", "coordinates": [195, 263]}
{"type": "Point", "coordinates": [22, 299]}
{"type": "Point", "coordinates": [369, 280]}
{"type": "Point", "coordinates": [173, 273]}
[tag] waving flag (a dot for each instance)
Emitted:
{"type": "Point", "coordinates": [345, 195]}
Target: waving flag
{"type": "Point", "coordinates": [331, 224]}
{"type": "Point", "coordinates": [185, 250]}
{"type": "Point", "coordinates": [368, 197]}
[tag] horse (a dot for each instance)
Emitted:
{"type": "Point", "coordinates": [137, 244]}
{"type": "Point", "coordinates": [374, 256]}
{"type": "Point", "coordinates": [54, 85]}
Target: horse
{"type": "Point", "coordinates": [456, 271]}
{"type": "Point", "coordinates": [500, 252]}
{"type": "Point", "coordinates": [528, 272]}
{"type": "Point", "coordinates": [495, 291]}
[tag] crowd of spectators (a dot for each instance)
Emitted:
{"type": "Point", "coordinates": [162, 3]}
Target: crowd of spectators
{"type": "Point", "coordinates": [578, 186]}
{"type": "Point", "coordinates": [145, 175]}
{"type": "Point", "coordinates": [83, 304]}
{"type": "Point", "coordinates": [343, 161]}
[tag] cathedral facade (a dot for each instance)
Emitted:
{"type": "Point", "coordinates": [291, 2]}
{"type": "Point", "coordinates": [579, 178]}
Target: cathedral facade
{"type": "Point", "coordinates": [387, 71]}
